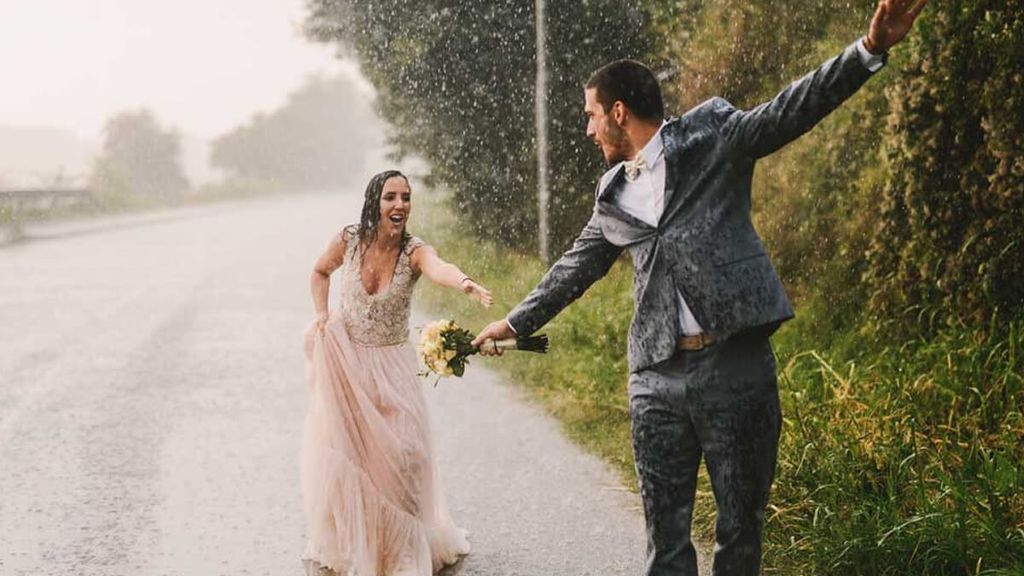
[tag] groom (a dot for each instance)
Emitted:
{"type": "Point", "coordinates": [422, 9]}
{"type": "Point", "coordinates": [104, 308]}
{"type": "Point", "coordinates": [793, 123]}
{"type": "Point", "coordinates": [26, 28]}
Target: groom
{"type": "Point", "coordinates": [702, 373]}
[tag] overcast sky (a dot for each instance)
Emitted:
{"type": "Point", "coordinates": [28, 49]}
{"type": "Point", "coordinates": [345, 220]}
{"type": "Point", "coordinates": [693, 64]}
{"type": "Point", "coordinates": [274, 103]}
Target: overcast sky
{"type": "Point", "coordinates": [203, 66]}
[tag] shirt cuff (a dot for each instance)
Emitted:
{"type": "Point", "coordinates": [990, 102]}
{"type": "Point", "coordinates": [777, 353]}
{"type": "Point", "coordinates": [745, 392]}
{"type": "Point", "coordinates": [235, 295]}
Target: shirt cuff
{"type": "Point", "coordinates": [873, 62]}
{"type": "Point", "coordinates": [511, 327]}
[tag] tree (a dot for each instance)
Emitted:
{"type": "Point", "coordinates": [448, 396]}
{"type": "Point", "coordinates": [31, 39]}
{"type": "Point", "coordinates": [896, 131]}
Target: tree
{"type": "Point", "coordinates": [140, 160]}
{"type": "Point", "coordinates": [318, 139]}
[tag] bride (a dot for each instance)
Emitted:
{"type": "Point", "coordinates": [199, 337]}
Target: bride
{"type": "Point", "coordinates": [370, 489]}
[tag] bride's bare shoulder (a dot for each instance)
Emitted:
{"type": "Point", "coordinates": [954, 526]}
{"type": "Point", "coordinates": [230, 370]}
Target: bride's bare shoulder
{"type": "Point", "coordinates": [413, 245]}
{"type": "Point", "coordinates": [347, 234]}
{"type": "Point", "coordinates": [337, 250]}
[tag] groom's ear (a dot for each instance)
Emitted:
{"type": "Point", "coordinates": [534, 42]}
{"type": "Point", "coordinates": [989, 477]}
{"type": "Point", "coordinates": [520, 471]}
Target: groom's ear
{"type": "Point", "coordinates": [619, 112]}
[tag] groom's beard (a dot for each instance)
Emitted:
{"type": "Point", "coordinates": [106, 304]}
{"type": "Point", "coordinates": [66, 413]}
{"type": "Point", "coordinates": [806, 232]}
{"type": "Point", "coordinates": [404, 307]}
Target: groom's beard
{"type": "Point", "coordinates": [617, 142]}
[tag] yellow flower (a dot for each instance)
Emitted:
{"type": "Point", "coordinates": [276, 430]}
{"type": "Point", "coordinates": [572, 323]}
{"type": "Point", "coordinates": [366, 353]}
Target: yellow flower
{"type": "Point", "coordinates": [436, 349]}
{"type": "Point", "coordinates": [433, 330]}
{"type": "Point", "coordinates": [441, 367]}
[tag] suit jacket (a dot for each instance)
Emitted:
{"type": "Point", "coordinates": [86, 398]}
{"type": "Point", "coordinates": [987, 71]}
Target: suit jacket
{"type": "Point", "coordinates": [704, 245]}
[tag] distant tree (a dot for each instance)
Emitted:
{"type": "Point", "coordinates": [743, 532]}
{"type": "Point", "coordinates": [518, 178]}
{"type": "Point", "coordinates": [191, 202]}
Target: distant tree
{"type": "Point", "coordinates": [318, 139]}
{"type": "Point", "coordinates": [140, 160]}
{"type": "Point", "coordinates": [456, 81]}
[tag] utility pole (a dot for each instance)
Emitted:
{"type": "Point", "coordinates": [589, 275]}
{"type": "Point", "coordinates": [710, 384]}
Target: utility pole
{"type": "Point", "coordinates": [541, 112]}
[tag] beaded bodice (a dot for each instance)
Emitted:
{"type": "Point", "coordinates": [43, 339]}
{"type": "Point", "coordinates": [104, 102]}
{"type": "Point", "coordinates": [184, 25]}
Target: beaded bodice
{"type": "Point", "coordinates": [381, 318]}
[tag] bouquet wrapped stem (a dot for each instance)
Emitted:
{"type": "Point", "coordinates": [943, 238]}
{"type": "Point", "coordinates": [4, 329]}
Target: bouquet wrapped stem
{"type": "Point", "coordinates": [446, 347]}
{"type": "Point", "coordinates": [527, 343]}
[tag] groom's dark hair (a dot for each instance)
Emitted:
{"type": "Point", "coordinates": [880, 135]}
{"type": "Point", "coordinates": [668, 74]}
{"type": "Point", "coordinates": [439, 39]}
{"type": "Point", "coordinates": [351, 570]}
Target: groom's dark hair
{"type": "Point", "coordinates": [633, 84]}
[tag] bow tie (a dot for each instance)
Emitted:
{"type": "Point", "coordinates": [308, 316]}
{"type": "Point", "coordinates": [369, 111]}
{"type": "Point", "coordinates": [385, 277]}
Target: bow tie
{"type": "Point", "coordinates": [634, 166]}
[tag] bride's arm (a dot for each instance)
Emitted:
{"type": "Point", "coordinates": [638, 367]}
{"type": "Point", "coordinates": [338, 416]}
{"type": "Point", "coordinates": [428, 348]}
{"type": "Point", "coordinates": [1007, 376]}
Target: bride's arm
{"type": "Point", "coordinates": [426, 260]}
{"type": "Point", "coordinates": [320, 279]}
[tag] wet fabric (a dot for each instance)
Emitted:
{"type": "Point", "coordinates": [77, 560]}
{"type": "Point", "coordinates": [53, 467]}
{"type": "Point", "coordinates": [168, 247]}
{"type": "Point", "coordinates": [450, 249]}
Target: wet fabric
{"type": "Point", "coordinates": [720, 404]}
{"type": "Point", "coordinates": [370, 491]}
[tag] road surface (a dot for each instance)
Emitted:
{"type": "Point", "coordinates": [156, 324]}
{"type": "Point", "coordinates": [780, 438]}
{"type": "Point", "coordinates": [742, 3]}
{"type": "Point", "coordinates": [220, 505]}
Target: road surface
{"type": "Point", "coordinates": [152, 398]}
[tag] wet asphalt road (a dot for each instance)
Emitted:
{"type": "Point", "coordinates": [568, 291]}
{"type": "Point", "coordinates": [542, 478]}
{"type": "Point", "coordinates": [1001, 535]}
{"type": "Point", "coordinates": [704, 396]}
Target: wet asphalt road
{"type": "Point", "coordinates": [152, 398]}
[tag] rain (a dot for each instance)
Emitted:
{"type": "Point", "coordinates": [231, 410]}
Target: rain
{"type": "Point", "coordinates": [185, 262]}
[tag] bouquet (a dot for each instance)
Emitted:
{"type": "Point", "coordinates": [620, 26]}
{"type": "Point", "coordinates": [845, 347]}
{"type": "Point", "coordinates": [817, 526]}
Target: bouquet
{"type": "Point", "coordinates": [446, 347]}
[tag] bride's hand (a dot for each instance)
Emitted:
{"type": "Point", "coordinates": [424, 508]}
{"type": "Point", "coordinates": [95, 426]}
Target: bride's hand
{"type": "Point", "coordinates": [477, 292]}
{"type": "Point", "coordinates": [321, 323]}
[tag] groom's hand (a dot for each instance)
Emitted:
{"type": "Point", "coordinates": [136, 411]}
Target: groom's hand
{"type": "Point", "coordinates": [892, 21]}
{"type": "Point", "coordinates": [494, 331]}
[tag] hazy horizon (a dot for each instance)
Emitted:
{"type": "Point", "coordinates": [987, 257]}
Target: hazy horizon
{"type": "Point", "coordinates": [202, 67]}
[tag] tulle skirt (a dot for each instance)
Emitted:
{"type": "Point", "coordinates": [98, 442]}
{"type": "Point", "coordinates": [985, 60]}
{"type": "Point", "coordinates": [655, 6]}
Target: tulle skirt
{"type": "Point", "coordinates": [372, 501]}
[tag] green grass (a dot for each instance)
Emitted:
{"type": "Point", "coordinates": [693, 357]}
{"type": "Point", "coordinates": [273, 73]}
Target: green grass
{"type": "Point", "coordinates": [904, 458]}
{"type": "Point", "coordinates": [896, 458]}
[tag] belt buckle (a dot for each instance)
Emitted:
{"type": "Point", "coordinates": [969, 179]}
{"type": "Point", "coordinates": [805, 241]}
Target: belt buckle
{"type": "Point", "coordinates": [694, 342]}
{"type": "Point", "coordinates": [690, 342]}
{"type": "Point", "coordinates": [701, 342]}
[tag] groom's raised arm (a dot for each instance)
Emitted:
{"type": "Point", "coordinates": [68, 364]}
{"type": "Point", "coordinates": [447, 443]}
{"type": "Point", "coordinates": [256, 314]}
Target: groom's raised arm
{"type": "Point", "coordinates": [795, 110]}
{"type": "Point", "coordinates": [589, 259]}
{"type": "Point", "coordinates": [804, 103]}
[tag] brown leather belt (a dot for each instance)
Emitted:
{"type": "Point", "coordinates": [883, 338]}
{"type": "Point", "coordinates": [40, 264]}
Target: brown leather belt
{"type": "Point", "coordinates": [695, 342]}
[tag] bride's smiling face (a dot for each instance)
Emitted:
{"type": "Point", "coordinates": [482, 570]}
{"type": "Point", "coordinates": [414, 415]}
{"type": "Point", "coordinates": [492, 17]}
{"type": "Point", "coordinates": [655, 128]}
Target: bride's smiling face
{"type": "Point", "coordinates": [395, 205]}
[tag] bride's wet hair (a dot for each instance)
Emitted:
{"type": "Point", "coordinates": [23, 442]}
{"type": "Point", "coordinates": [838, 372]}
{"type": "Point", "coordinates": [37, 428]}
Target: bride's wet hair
{"type": "Point", "coordinates": [369, 221]}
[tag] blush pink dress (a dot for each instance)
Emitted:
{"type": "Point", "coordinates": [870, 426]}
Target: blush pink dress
{"type": "Point", "coordinates": [371, 495]}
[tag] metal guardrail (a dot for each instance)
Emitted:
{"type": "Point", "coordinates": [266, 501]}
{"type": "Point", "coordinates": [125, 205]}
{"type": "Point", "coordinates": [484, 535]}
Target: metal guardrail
{"type": "Point", "coordinates": [20, 200]}
{"type": "Point", "coordinates": [19, 206]}
{"type": "Point", "coordinates": [31, 195]}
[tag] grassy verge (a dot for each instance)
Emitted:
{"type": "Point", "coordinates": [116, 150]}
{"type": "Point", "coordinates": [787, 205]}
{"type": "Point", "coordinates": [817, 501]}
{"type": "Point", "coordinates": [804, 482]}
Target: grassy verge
{"type": "Point", "coordinates": [902, 458]}
{"type": "Point", "coordinates": [896, 458]}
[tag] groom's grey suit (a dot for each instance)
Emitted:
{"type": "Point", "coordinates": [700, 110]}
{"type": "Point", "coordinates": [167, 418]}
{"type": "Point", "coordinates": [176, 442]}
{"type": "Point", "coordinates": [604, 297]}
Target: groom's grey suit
{"type": "Point", "coordinates": [721, 401]}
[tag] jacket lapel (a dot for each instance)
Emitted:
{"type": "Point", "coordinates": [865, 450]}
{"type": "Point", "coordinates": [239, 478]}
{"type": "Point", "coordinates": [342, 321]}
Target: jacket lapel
{"type": "Point", "coordinates": [606, 201]}
{"type": "Point", "coordinates": [686, 147]}
{"type": "Point", "coordinates": [618, 226]}
{"type": "Point", "coordinates": [670, 140]}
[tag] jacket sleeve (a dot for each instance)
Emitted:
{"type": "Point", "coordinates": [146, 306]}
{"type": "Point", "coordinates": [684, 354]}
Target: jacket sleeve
{"type": "Point", "coordinates": [589, 259]}
{"type": "Point", "coordinates": [796, 109]}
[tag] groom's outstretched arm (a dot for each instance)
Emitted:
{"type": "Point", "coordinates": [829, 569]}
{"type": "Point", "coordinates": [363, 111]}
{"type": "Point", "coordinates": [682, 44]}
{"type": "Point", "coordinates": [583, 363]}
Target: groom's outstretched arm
{"type": "Point", "coordinates": [589, 259]}
{"type": "Point", "coordinates": [807, 101]}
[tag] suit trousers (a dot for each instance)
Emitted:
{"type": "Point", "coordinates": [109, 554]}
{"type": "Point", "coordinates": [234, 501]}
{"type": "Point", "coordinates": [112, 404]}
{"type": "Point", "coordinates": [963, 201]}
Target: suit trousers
{"type": "Point", "coordinates": [720, 403]}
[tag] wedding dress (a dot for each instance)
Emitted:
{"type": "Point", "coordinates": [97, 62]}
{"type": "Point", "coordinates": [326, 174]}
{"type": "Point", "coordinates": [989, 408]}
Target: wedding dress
{"type": "Point", "coordinates": [370, 490]}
